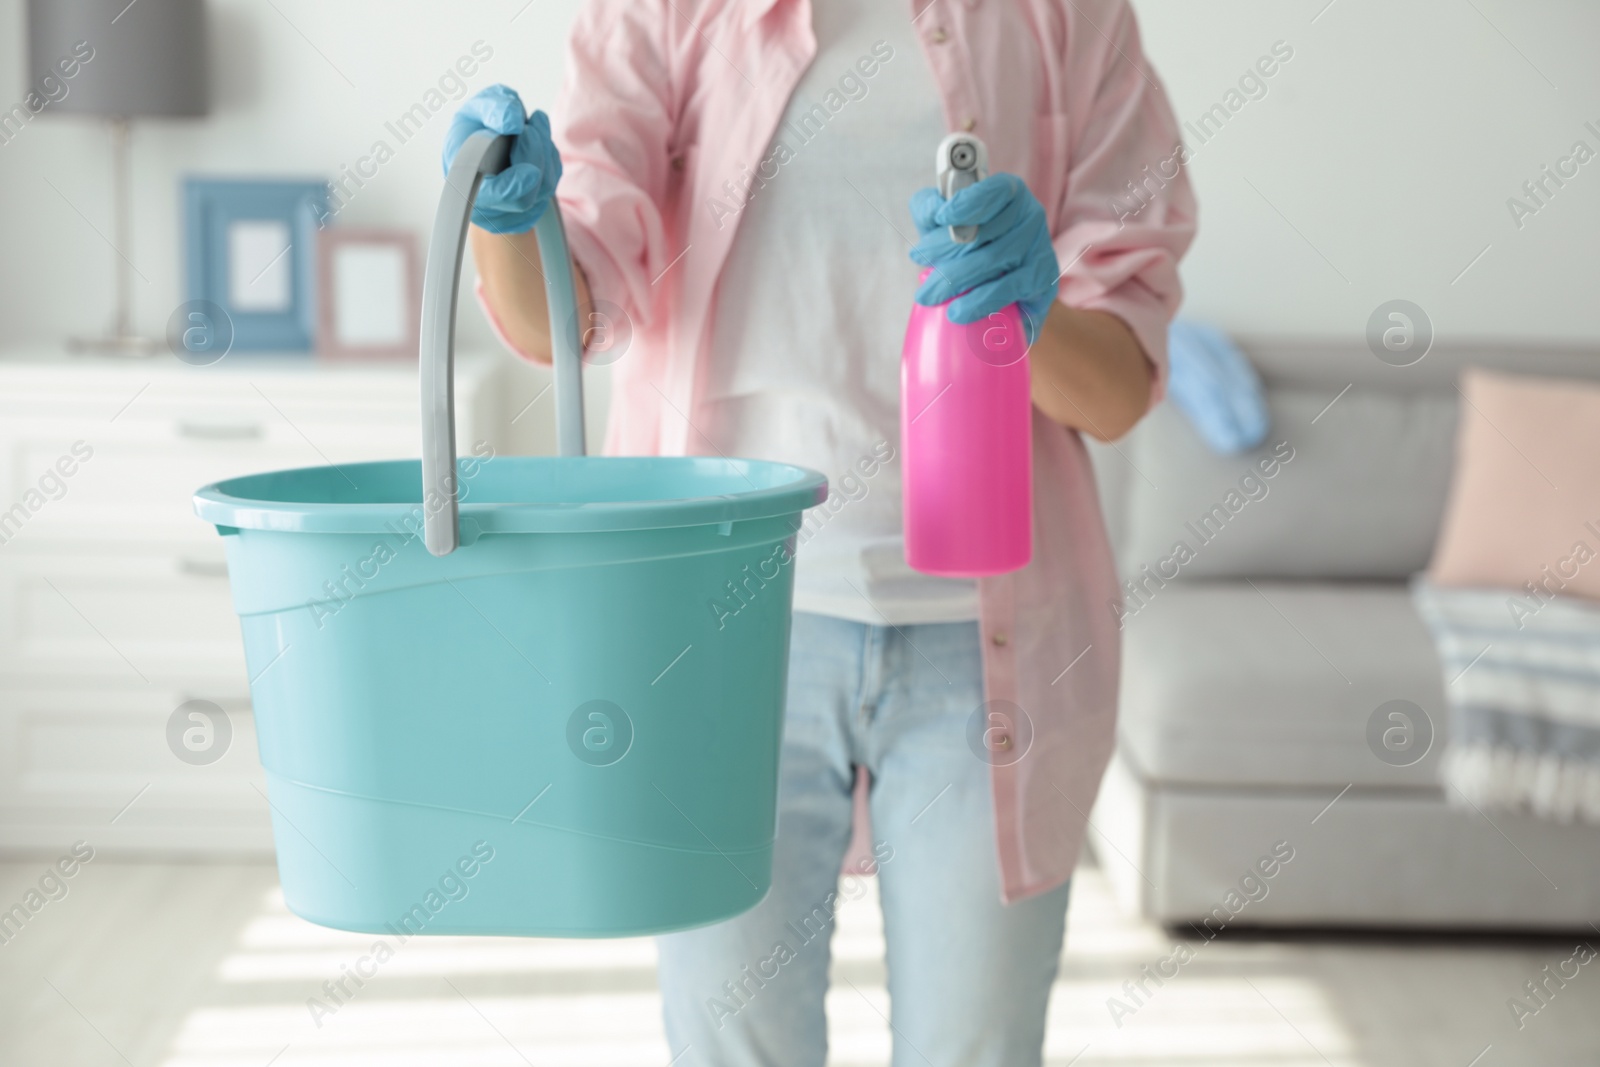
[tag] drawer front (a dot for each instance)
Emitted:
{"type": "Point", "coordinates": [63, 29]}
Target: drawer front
{"type": "Point", "coordinates": [93, 470]}
{"type": "Point", "coordinates": [137, 480]}
{"type": "Point", "coordinates": [101, 765]}
{"type": "Point", "coordinates": [103, 391]}
{"type": "Point", "coordinates": [133, 617]}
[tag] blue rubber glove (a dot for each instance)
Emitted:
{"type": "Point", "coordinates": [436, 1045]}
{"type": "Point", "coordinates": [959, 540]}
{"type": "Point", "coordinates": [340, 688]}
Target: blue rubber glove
{"type": "Point", "coordinates": [1011, 261]}
{"type": "Point", "coordinates": [513, 200]}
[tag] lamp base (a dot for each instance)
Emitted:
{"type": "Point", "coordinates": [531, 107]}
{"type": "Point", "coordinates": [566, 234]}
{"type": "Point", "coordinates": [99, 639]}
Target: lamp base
{"type": "Point", "coordinates": [125, 346]}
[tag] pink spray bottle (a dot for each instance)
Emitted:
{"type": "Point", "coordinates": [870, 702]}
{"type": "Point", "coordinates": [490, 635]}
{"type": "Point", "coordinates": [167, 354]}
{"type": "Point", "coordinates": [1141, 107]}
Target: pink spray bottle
{"type": "Point", "coordinates": [966, 421]}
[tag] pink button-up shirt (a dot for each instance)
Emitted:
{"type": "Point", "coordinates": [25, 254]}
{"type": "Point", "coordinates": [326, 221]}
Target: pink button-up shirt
{"type": "Point", "coordinates": [666, 115]}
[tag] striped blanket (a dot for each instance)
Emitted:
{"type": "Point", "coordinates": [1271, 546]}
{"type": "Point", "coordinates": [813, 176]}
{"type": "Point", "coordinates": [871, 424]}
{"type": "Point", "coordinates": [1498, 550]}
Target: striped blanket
{"type": "Point", "coordinates": [1522, 680]}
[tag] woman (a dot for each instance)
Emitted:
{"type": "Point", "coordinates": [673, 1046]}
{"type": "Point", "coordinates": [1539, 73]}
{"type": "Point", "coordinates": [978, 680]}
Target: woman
{"type": "Point", "coordinates": [734, 176]}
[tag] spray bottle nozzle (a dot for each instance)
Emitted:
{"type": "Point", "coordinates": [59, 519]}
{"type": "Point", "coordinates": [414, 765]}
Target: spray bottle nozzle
{"type": "Point", "coordinates": [961, 160]}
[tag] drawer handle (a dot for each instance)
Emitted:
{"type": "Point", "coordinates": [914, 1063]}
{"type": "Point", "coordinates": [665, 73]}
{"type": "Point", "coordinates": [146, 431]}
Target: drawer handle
{"type": "Point", "coordinates": [244, 431]}
{"type": "Point", "coordinates": [203, 568]}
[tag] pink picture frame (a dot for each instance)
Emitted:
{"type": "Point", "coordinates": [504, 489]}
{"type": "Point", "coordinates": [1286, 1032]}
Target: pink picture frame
{"type": "Point", "coordinates": [369, 294]}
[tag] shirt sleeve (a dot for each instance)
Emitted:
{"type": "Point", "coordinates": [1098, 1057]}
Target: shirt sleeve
{"type": "Point", "coordinates": [614, 127]}
{"type": "Point", "coordinates": [1127, 214]}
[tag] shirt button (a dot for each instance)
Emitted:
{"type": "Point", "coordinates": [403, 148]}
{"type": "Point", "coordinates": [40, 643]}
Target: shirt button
{"type": "Point", "coordinates": [970, 125]}
{"type": "Point", "coordinates": [677, 162]}
{"type": "Point", "coordinates": [999, 639]}
{"type": "Point", "coordinates": [939, 36]}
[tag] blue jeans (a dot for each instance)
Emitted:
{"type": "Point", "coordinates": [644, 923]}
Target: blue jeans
{"type": "Point", "coordinates": [969, 977]}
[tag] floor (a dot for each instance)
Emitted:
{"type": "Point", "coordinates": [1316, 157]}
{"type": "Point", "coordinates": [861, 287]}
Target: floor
{"type": "Point", "coordinates": [199, 965]}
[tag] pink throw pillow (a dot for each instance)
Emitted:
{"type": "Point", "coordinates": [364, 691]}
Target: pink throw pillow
{"type": "Point", "coordinates": [1524, 502]}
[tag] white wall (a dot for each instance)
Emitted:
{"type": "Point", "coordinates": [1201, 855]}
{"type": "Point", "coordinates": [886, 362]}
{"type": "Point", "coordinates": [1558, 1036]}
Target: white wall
{"type": "Point", "coordinates": [1390, 142]}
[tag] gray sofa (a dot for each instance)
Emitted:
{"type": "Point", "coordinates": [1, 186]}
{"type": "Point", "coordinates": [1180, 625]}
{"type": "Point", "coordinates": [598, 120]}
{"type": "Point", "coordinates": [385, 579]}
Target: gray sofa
{"type": "Point", "coordinates": [1256, 654]}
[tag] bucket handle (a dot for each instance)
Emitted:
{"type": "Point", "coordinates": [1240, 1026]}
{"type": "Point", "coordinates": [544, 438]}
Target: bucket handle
{"type": "Point", "coordinates": [484, 153]}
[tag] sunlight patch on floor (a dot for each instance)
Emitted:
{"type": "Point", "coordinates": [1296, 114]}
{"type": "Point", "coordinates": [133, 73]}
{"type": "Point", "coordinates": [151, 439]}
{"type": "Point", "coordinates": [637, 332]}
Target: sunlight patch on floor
{"type": "Point", "coordinates": [1196, 1019]}
{"type": "Point", "coordinates": [488, 1002]}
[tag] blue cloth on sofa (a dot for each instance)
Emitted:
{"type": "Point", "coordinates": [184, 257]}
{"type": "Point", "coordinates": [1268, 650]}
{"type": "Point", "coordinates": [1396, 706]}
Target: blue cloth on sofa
{"type": "Point", "coordinates": [1214, 384]}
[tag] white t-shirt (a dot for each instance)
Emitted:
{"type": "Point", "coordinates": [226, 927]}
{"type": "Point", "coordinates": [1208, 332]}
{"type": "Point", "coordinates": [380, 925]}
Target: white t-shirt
{"type": "Point", "coordinates": [812, 307]}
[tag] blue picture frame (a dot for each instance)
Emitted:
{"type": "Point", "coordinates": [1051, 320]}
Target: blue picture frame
{"type": "Point", "coordinates": [222, 214]}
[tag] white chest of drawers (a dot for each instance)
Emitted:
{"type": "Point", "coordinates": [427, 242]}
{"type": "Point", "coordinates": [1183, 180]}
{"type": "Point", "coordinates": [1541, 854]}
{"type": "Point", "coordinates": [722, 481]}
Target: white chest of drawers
{"type": "Point", "coordinates": [114, 605]}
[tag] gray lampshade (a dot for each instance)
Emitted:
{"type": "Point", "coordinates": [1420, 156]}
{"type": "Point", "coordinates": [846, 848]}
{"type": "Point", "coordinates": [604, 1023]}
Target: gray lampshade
{"type": "Point", "coordinates": [145, 58]}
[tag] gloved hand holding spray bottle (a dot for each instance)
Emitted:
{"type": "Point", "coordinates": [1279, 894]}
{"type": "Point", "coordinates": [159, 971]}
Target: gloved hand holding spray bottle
{"type": "Point", "coordinates": [966, 411]}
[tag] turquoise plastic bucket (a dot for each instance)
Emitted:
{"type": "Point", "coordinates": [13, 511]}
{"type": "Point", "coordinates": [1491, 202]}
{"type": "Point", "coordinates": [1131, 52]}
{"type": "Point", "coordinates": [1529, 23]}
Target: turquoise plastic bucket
{"type": "Point", "coordinates": [568, 726]}
{"type": "Point", "coordinates": [511, 695]}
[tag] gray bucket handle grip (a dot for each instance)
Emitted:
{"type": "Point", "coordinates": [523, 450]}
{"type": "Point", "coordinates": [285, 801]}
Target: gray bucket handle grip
{"type": "Point", "coordinates": [484, 153]}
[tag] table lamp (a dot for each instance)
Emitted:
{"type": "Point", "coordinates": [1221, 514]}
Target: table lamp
{"type": "Point", "coordinates": [149, 60]}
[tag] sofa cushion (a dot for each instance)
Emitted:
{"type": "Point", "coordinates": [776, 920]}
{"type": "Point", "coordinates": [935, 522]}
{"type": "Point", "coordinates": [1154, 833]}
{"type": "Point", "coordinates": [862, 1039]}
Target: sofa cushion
{"type": "Point", "coordinates": [1273, 683]}
{"type": "Point", "coordinates": [1355, 490]}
